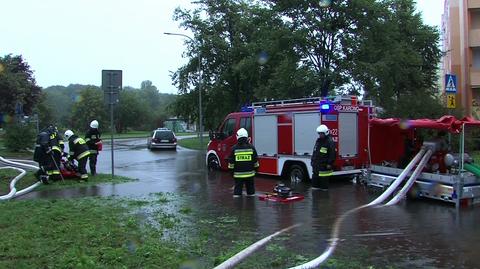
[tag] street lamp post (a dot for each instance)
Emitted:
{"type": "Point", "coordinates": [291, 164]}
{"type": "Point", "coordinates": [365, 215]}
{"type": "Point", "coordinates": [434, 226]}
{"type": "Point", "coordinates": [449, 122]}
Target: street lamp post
{"type": "Point", "coordinates": [200, 119]}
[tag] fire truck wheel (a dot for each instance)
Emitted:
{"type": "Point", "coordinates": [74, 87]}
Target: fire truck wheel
{"type": "Point", "coordinates": [213, 163]}
{"type": "Point", "coordinates": [296, 173]}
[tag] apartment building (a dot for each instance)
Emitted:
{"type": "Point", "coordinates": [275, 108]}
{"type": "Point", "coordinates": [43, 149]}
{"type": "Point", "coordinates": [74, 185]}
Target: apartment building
{"type": "Point", "coordinates": [461, 47]}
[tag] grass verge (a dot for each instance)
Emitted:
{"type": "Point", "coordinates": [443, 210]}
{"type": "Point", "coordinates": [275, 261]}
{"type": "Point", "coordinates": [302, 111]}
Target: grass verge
{"type": "Point", "coordinates": [80, 233]}
{"type": "Point", "coordinates": [6, 175]}
{"type": "Point", "coordinates": [193, 143]}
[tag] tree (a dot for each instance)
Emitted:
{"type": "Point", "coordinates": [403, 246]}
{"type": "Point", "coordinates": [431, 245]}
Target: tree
{"type": "Point", "coordinates": [19, 136]}
{"type": "Point", "coordinates": [379, 48]}
{"type": "Point", "coordinates": [44, 112]}
{"type": "Point", "coordinates": [396, 61]}
{"type": "Point", "coordinates": [247, 55]}
{"type": "Point", "coordinates": [150, 94]}
{"type": "Point", "coordinates": [322, 34]}
{"type": "Point", "coordinates": [90, 106]}
{"type": "Point", "coordinates": [61, 100]}
{"type": "Point", "coordinates": [17, 85]}
{"type": "Point", "coordinates": [131, 108]}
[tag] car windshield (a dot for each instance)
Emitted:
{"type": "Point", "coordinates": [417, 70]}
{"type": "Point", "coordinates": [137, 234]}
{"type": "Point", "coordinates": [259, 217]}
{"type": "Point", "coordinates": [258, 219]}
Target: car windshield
{"type": "Point", "coordinates": [164, 135]}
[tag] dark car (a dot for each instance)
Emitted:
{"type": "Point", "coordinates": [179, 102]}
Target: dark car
{"type": "Point", "coordinates": [162, 138]}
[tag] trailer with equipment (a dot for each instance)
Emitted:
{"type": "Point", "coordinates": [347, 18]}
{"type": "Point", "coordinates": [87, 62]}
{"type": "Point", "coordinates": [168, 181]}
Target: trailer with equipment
{"type": "Point", "coordinates": [449, 173]}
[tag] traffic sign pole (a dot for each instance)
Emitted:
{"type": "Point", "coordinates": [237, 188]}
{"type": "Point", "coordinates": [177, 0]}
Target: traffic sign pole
{"type": "Point", "coordinates": [451, 90]}
{"type": "Point", "coordinates": [111, 85]}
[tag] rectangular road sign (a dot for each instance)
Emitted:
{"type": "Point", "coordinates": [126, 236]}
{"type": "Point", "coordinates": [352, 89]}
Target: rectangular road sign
{"type": "Point", "coordinates": [451, 101]}
{"type": "Point", "coordinates": [111, 85]}
{"type": "Point", "coordinates": [450, 83]}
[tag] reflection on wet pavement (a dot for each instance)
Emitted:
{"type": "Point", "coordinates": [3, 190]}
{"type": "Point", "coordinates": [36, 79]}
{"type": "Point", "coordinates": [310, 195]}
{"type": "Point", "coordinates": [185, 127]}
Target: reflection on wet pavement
{"type": "Point", "coordinates": [416, 234]}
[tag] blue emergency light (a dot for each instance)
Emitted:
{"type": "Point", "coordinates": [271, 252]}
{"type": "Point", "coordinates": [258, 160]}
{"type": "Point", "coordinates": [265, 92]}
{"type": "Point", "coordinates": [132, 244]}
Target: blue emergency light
{"type": "Point", "coordinates": [246, 108]}
{"type": "Point", "coordinates": [325, 107]}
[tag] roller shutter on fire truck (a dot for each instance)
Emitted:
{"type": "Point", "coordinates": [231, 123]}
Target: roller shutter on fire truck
{"type": "Point", "coordinates": [304, 132]}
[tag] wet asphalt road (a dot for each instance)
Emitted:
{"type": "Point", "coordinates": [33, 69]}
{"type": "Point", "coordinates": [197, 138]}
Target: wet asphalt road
{"type": "Point", "coordinates": [414, 234]}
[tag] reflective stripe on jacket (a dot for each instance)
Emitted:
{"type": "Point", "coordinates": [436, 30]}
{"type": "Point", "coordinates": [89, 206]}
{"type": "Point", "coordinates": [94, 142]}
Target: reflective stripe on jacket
{"type": "Point", "coordinates": [92, 137]}
{"type": "Point", "coordinates": [243, 160]}
{"type": "Point", "coordinates": [78, 147]}
{"type": "Point", "coordinates": [323, 153]}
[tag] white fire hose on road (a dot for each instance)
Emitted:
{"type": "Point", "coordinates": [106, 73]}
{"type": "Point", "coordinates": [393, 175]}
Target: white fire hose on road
{"type": "Point", "coordinates": [17, 165]}
{"type": "Point", "coordinates": [424, 154]}
{"type": "Point", "coordinates": [237, 258]}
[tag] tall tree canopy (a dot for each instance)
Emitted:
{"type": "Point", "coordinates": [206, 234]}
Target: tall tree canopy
{"type": "Point", "coordinates": [277, 49]}
{"type": "Point", "coordinates": [89, 106]}
{"type": "Point", "coordinates": [396, 61]}
{"type": "Point", "coordinates": [17, 85]}
{"type": "Point", "coordinates": [247, 55]}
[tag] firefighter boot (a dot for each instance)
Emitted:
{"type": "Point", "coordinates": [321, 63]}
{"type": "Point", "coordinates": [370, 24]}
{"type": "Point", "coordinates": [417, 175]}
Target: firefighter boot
{"type": "Point", "coordinates": [93, 170]}
{"type": "Point", "coordinates": [44, 179]}
{"type": "Point", "coordinates": [323, 183]}
{"type": "Point", "coordinates": [40, 176]}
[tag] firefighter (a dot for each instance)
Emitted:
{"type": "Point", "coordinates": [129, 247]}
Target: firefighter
{"type": "Point", "coordinates": [79, 151]}
{"type": "Point", "coordinates": [43, 155]}
{"type": "Point", "coordinates": [323, 157]}
{"type": "Point", "coordinates": [243, 162]}
{"type": "Point", "coordinates": [57, 144]}
{"type": "Point", "coordinates": [93, 141]}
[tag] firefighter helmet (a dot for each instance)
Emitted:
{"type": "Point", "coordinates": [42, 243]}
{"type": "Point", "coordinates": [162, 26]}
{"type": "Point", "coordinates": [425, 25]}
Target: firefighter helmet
{"type": "Point", "coordinates": [94, 124]}
{"type": "Point", "coordinates": [242, 133]}
{"type": "Point", "coordinates": [68, 134]}
{"type": "Point", "coordinates": [322, 129]}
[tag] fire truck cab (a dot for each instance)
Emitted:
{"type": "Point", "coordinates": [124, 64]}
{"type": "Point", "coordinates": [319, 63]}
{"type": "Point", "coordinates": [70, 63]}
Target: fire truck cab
{"type": "Point", "coordinates": [284, 134]}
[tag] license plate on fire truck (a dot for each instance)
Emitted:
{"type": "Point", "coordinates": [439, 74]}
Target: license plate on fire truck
{"type": "Point", "coordinates": [346, 168]}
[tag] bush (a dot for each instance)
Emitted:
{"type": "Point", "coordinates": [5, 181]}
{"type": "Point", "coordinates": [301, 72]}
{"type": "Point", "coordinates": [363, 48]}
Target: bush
{"type": "Point", "coordinates": [19, 136]}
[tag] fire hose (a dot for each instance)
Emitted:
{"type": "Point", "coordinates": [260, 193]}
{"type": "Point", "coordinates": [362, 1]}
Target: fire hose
{"type": "Point", "coordinates": [17, 165]}
{"type": "Point", "coordinates": [336, 227]}
{"type": "Point", "coordinates": [424, 154]}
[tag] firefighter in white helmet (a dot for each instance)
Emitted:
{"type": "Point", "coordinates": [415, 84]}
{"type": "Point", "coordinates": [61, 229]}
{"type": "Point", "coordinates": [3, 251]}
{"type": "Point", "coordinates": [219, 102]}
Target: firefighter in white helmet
{"type": "Point", "coordinates": [79, 151]}
{"type": "Point", "coordinates": [323, 157]}
{"type": "Point", "coordinates": [244, 164]}
{"type": "Point", "coordinates": [94, 143]}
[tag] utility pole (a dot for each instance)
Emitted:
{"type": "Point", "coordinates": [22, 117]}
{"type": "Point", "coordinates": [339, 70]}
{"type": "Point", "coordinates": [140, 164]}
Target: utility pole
{"type": "Point", "coordinates": [199, 70]}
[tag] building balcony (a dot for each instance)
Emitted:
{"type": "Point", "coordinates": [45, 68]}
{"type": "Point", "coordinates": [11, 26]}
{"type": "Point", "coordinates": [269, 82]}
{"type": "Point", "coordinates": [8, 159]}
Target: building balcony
{"type": "Point", "coordinates": [475, 78]}
{"type": "Point", "coordinates": [473, 4]}
{"type": "Point", "coordinates": [474, 38]}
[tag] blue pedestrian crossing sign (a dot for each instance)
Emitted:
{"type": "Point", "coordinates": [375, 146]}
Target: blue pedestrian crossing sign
{"type": "Point", "coordinates": [450, 83]}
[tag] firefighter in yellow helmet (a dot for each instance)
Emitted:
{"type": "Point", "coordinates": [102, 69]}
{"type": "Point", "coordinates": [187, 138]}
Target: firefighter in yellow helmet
{"type": "Point", "coordinates": [79, 151]}
{"type": "Point", "coordinates": [323, 157]}
{"type": "Point", "coordinates": [244, 164]}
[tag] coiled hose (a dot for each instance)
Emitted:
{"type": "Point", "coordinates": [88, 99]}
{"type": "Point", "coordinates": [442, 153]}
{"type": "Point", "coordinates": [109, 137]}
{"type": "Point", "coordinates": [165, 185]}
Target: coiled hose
{"type": "Point", "coordinates": [20, 167]}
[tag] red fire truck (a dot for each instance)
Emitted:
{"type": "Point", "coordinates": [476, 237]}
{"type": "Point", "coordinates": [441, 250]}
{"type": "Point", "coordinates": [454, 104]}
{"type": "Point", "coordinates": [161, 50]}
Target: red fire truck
{"type": "Point", "coordinates": [284, 133]}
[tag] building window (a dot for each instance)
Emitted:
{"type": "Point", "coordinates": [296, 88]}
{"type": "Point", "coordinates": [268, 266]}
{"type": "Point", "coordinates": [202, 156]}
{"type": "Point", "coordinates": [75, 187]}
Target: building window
{"type": "Point", "coordinates": [475, 19]}
{"type": "Point", "coordinates": [476, 58]}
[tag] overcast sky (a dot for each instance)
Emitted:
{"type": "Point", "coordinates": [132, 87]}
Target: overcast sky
{"type": "Point", "coordinates": [71, 41]}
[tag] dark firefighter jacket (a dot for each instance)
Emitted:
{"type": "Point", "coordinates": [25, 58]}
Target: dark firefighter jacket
{"type": "Point", "coordinates": [78, 148]}
{"type": "Point", "coordinates": [56, 141]}
{"type": "Point", "coordinates": [42, 147]}
{"type": "Point", "coordinates": [323, 154]}
{"type": "Point", "coordinates": [92, 137]}
{"type": "Point", "coordinates": [243, 160]}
